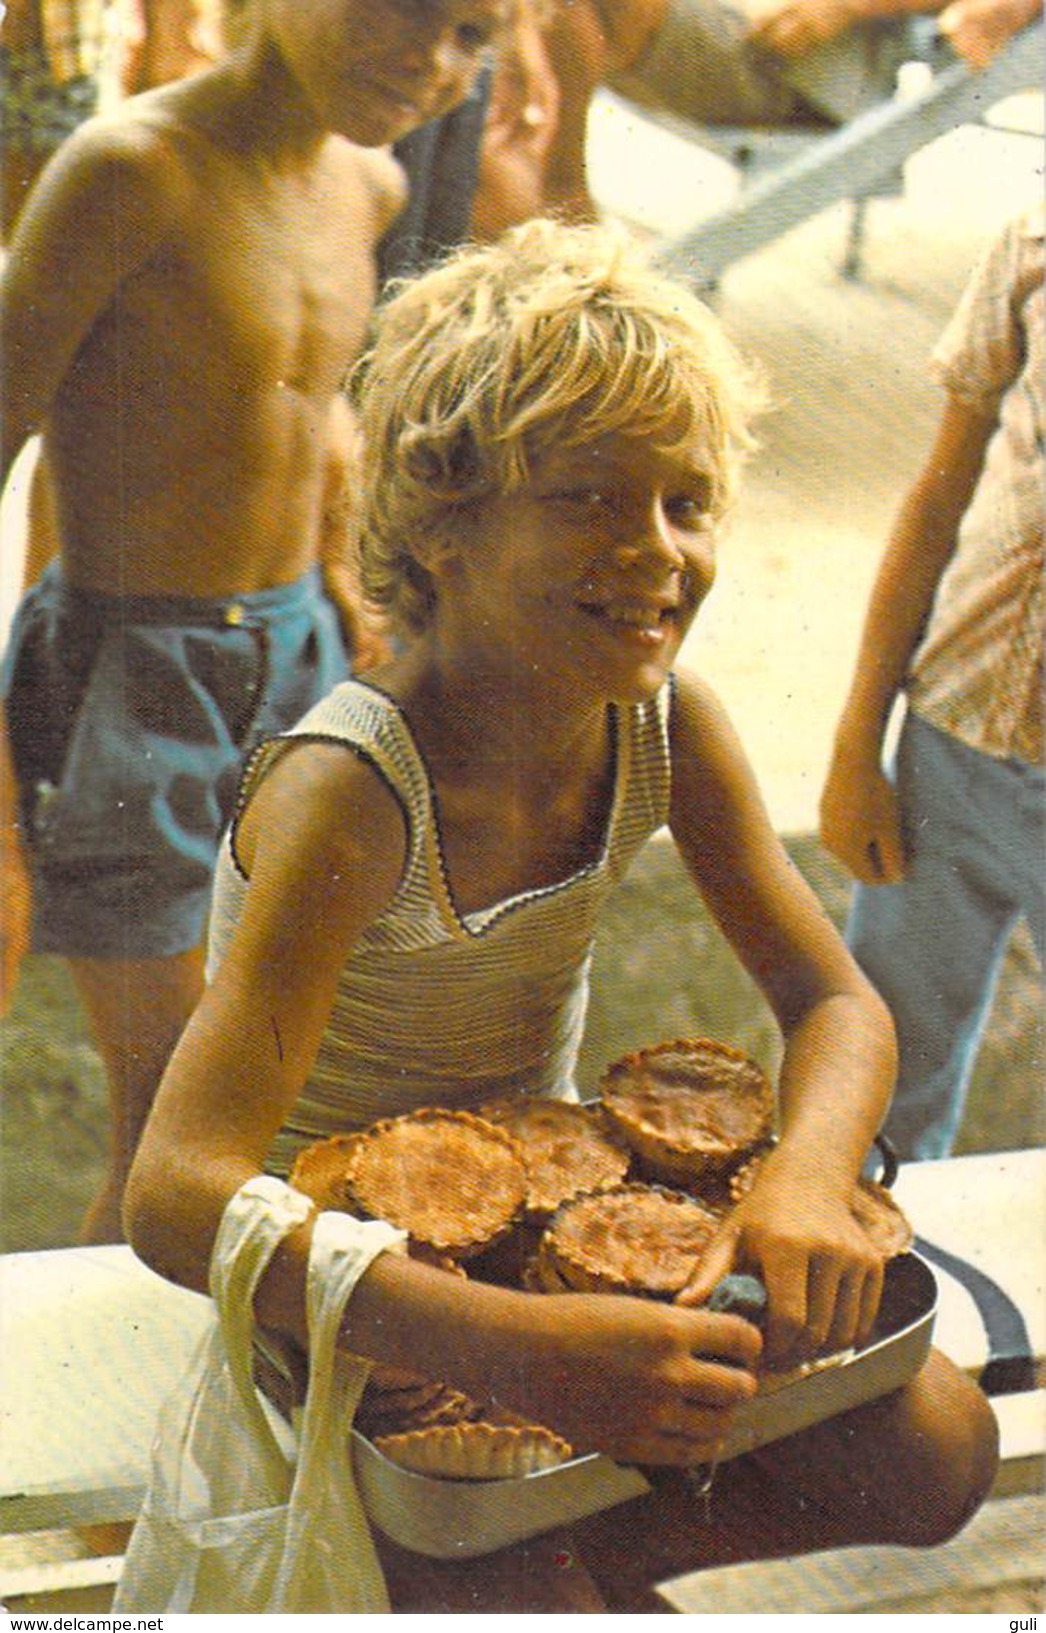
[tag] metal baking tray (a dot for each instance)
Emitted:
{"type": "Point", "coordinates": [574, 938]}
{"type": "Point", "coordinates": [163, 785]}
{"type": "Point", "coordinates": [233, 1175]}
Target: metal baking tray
{"type": "Point", "coordinates": [459, 1519]}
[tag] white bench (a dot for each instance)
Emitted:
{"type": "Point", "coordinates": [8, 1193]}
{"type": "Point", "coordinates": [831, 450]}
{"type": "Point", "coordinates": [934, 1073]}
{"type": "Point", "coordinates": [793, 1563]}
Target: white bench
{"type": "Point", "coordinates": [792, 178]}
{"type": "Point", "coordinates": [92, 1342]}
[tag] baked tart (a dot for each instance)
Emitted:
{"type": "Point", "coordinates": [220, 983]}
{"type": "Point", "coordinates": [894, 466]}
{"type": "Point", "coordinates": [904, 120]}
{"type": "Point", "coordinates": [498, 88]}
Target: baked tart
{"type": "Point", "coordinates": [449, 1178]}
{"type": "Point", "coordinates": [477, 1451]}
{"type": "Point", "coordinates": [639, 1239]}
{"type": "Point", "coordinates": [691, 1109]}
{"type": "Point", "coordinates": [383, 1412]}
{"type": "Point", "coordinates": [320, 1170]}
{"type": "Point", "coordinates": [872, 1205]}
{"type": "Point", "coordinates": [569, 1149]}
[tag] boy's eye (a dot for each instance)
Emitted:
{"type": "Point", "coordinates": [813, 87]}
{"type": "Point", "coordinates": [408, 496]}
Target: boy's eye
{"type": "Point", "coordinates": [475, 37]}
{"type": "Point", "coordinates": [687, 510]}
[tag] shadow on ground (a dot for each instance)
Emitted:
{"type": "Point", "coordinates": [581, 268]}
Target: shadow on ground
{"type": "Point", "coordinates": [661, 970]}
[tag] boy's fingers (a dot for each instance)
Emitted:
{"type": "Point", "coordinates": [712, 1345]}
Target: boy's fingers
{"type": "Point", "coordinates": [725, 1381]}
{"type": "Point", "coordinates": [786, 1275]}
{"type": "Point", "coordinates": [886, 852]}
{"type": "Point", "coordinates": [846, 1318]}
{"type": "Point", "coordinates": [871, 1297]}
{"type": "Point", "coordinates": [823, 1291]}
{"type": "Point", "coordinates": [715, 1264]}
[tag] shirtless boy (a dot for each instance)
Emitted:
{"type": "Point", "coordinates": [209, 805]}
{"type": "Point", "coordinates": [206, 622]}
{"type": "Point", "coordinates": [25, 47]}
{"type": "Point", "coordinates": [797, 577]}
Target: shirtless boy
{"type": "Point", "coordinates": [184, 293]}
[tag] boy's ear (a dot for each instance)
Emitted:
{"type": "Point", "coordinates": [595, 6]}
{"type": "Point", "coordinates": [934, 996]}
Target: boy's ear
{"type": "Point", "coordinates": [436, 555]}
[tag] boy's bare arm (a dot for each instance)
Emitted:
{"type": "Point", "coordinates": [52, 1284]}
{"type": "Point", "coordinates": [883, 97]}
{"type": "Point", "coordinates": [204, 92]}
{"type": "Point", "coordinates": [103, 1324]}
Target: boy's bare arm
{"type": "Point", "coordinates": [580, 55]}
{"type": "Point", "coordinates": [859, 817]}
{"type": "Point", "coordinates": [73, 248]}
{"type": "Point", "coordinates": [324, 846]}
{"type": "Point", "coordinates": [977, 29]}
{"type": "Point", "coordinates": [366, 636]}
{"type": "Point", "coordinates": [15, 887]}
{"type": "Point", "coordinates": [837, 1071]}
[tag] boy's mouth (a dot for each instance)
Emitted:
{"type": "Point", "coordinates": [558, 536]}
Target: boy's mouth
{"type": "Point", "coordinates": [649, 621]}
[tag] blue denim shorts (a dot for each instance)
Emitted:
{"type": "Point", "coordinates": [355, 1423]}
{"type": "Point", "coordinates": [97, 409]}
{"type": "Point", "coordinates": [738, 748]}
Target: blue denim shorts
{"type": "Point", "coordinates": [130, 719]}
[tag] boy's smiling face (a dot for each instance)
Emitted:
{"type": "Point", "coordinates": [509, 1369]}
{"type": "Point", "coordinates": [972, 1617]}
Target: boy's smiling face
{"type": "Point", "coordinates": [595, 570]}
{"type": "Point", "coordinates": [373, 70]}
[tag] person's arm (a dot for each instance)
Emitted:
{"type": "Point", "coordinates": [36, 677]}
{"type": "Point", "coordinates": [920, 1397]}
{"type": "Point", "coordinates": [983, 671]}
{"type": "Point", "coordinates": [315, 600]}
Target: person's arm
{"type": "Point", "coordinates": [15, 886]}
{"type": "Point", "coordinates": [325, 847]}
{"type": "Point", "coordinates": [520, 131]}
{"type": "Point", "coordinates": [580, 54]}
{"type": "Point", "coordinates": [365, 634]}
{"type": "Point", "coordinates": [860, 819]}
{"type": "Point", "coordinates": [793, 27]}
{"type": "Point", "coordinates": [95, 214]}
{"type": "Point", "coordinates": [823, 1278]}
{"type": "Point", "coordinates": [98, 212]}
{"type": "Point", "coordinates": [166, 40]}
{"type": "Point", "coordinates": [977, 29]}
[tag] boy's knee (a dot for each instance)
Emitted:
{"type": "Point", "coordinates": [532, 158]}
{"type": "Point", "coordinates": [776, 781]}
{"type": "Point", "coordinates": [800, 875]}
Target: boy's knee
{"type": "Point", "coordinates": [953, 1442]}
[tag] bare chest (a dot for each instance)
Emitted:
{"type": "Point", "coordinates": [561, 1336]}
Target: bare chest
{"type": "Point", "coordinates": [270, 282]}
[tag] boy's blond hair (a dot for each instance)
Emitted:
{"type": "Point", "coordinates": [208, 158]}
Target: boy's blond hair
{"type": "Point", "coordinates": [550, 338]}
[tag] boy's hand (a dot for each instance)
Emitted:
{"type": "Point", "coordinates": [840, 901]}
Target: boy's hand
{"type": "Point", "coordinates": [977, 29]}
{"type": "Point", "coordinates": [792, 27]}
{"type": "Point", "coordinates": [823, 1276]}
{"type": "Point", "coordinates": [633, 1378]}
{"type": "Point", "coordinates": [861, 823]}
{"type": "Point", "coordinates": [16, 897]}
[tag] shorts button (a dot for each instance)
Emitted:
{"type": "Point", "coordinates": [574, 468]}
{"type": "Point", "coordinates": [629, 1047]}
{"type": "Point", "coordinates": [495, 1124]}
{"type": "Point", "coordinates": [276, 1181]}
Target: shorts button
{"type": "Point", "coordinates": [234, 613]}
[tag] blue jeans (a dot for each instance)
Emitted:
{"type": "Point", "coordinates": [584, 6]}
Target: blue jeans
{"type": "Point", "coordinates": [130, 720]}
{"type": "Point", "coordinates": [975, 828]}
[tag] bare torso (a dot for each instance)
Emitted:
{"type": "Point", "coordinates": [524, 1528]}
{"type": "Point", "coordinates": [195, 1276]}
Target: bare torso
{"type": "Point", "coordinates": [188, 434]}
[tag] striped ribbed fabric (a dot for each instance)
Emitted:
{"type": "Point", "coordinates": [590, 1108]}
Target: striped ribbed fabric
{"type": "Point", "coordinates": [438, 1009]}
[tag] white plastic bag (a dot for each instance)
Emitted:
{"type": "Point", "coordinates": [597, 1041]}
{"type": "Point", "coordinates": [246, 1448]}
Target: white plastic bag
{"type": "Point", "coordinates": [241, 1515]}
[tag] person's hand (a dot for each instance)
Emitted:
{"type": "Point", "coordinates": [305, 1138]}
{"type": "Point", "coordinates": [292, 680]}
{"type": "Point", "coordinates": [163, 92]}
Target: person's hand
{"type": "Point", "coordinates": [977, 29]}
{"type": "Point", "coordinates": [861, 821]}
{"type": "Point", "coordinates": [792, 27]}
{"type": "Point", "coordinates": [822, 1274]}
{"type": "Point", "coordinates": [15, 911]}
{"type": "Point", "coordinates": [631, 1377]}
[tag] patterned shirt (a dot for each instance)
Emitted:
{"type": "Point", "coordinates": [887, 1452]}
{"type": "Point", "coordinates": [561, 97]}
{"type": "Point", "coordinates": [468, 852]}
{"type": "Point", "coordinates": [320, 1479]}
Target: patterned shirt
{"type": "Point", "coordinates": [978, 673]}
{"type": "Point", "coordinates": [438, 1008]}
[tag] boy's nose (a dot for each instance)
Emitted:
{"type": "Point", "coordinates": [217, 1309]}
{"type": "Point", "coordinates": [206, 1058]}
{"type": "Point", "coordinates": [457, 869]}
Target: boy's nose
{"type": "Point", "coordinates": [431, 50]}
{"type": "Point", "coordinates": [650, 544]}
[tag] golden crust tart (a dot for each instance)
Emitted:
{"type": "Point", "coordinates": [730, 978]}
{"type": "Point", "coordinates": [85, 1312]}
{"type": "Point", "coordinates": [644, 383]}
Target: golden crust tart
{"type": "Point", "coordinates": [872, 1206]}
{"type": "Point", "coordinates": [320, 1171]}
{"type": "Point", "coordinates": [476, 1451]}
{"type": "Point", "coordinates": [386, 1412]}
{"type": "Point", "coordinates": [449, 1178]}
{"type": "Point", "coordinates": [640, 1239]}
{"type": "Point", "coordinates": [689, 1109]}
{"type": "Point", "coordinates": [569, 1149]}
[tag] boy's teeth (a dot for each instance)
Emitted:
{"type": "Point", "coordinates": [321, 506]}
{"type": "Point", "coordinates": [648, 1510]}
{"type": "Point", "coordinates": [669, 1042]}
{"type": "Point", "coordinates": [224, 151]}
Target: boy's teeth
{"type": "Point", "coordinates": [624, 612]}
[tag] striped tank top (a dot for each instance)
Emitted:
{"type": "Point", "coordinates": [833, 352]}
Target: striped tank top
{"type": "Point", "coordinates": [437, 1008]}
